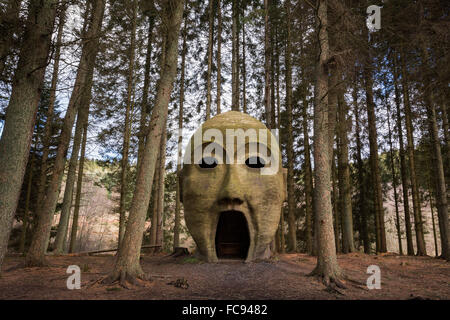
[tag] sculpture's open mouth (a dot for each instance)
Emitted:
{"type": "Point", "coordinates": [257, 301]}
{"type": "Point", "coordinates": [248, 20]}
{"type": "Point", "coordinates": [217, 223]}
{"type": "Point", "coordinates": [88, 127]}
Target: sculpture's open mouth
{"type": "Point", "coordinates": [232, 236]}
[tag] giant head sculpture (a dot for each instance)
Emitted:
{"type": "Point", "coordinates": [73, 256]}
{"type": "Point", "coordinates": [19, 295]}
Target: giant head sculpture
{"type": "Point", "coordinates": [233, 187]}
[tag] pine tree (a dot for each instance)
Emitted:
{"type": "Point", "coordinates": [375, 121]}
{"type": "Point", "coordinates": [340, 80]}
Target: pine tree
{"type": "Point", "coordinates": [327, 267]}
{"type": "Point", "coordinates": [16, 139]}
{"type": "Point", "coordinates": [127, 266]}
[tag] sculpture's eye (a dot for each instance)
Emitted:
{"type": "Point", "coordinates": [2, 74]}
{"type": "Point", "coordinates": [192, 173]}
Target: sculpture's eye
{"type": "Point", "coordinates": [208, 163]}
{"type": "Point", "coordinates": [255, 162]}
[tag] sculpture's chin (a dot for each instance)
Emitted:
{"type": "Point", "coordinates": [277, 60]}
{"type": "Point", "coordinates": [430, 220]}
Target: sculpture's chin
{"type": "Point", "coordinates": [232, 238]}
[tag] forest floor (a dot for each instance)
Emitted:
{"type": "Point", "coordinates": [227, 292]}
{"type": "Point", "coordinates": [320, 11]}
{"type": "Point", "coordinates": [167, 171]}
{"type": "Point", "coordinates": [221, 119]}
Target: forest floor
{"type": "Point", "coordinates": [283, 277]}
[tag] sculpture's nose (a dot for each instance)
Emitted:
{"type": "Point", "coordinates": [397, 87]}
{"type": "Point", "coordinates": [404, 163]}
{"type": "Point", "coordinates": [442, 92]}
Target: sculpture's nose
{"type": "Point", "coordinates": [231, 192]}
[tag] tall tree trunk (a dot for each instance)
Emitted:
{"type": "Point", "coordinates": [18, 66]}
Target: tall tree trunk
{"type": "Point", "coordinates": [244, 69]}
{"type": "Point", "coordinates": [345, 189]}
{"type": "Point", "coordinates": [267, 59]}
{"type": "Point", "coordinates": [438, 164]}
{"type": "Point", "coordinates": [308, 179]}
{"type": "Point", "coordinates": [364, 234]}
{"type": "Point", "coordinates": [272, 79]}
{"type": "Point", "coordinates": [76, 211]}
{"type": "Point", "coordinates": [16, 139]}
{"type": "Point", "coordinates": [445, 128]}
{"type": "Point", "coordinates": [432, 219]}
{"type": "Point", "coordinates": [145, 108]}
{"type": "Point", "coordinates": [219, 55]}
{"type": "Point", "coordinates": [61, 235]}
{"type": "Point", "coordinates": [176, 230]}
{"type": "Point", "coordinates": [336, 212]}
{"type": "Point", "coordinates": [281, 246]}
{"type": "Point", "coordinates": [161, 188]}
{"type": "Point", "coordinates": [127, 266]}
{"type": "Point", "coordinates": [292, 235]}
{"type": "Point", "coordinates": [374, 162]}
{"type": "Point", "coordinates": [154, 212]}
{"type": "Point", "coordinates": [394, 180]}
{"type": "Point", "coordinates": [403, 167]}
{"type": "Point", "coordinates": [210, 57]}
{"type": "Point", "coordinates": [235, 56]}
{"type": "Point", "coordinates": [23, 234]}
{"type": "Point", "coordinates": [46, 137]}
{"type": "Point", "coordinates": [127, 125]}
{"type": "Point", "coordinates": [45, 211]}
{"type": "Point", "coordinates": [86, 97]}
{"type": "Point", "coordinates": [70, 182]}
{"type": "Point", "coordinates": [418, 225]}
{"type": "Point", "coordinates": [333, 88]}
{"type": "Point", "coordinates": [327, 266]}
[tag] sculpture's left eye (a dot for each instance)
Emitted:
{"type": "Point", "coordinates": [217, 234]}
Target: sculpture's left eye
{"type": "Point", "coordinates": [255, 162]}
{"type": "Point", "coordinates": [208, 163]}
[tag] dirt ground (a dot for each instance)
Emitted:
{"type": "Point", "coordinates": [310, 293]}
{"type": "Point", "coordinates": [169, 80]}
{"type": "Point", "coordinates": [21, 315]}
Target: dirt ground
{"type": "Point", "coordinates": [284, 277]}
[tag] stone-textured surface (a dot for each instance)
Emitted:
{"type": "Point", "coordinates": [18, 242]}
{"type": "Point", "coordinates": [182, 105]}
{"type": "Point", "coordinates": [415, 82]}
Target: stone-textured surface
{"type": "Point", "coordinates": [209, 191]}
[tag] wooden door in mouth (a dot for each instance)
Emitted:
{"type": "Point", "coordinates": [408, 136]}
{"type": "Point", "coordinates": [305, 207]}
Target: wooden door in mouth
{"type": "Point", "coordinates": [232, 236]}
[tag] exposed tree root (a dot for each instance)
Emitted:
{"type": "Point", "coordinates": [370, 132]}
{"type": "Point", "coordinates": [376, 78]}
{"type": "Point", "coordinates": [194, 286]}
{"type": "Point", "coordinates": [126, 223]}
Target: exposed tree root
{"type": "Point", "coordinates": [123, 278]}
{"type": "Point", "coordinates": [331, 280]}
{"type": "Point", "coordinates": [356, 284]}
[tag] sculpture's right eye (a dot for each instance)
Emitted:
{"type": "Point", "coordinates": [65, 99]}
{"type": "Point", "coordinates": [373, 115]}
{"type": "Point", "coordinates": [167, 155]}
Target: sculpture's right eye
{"type": "Point", "coordinates": [208, 163]}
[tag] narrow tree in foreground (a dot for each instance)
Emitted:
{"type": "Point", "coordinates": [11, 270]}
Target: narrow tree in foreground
{"type": "Point", "coordinates": [403, 166]}
{"type": "Point", "coordinates": [345, 188]}
{"type": "Point", "coordinates": [21, 113]}
{"type": "Point", "coordinates": [76, 210]}
{"type": "Point", "coordinates": [244, 69]}
{"type": "Point", "coordinates": [334, 200]}
{"type": "Point", "coordinates": [362, 205]}
{"type": "Point", "coordinates": [219, 56]}
{"type": "Point", "coordinates": [210, 57]}
{"type": "Point", "coordinates": [235, 56]}
{"type": "Point", "coordinates": [127, 266]}
{"type": "Point", "coordinates": [327, 267]}
{"type": "Point", "coordinates": [267, 67]}
{"type": "Point", "coordinates": [46, 137]}
{"type": "Point", "coordinates": [430, 201]}
{"type": "Point", "coordinates": [420, 240]}
{"type": "Point", "coordinates": [308, 181]}
{"type": "Point", "coordinates": [46, 209]}
{"type": "Point", "coordinates": [25, 218]}
{"type": "Point", "coordinates": [69, 187]}
{"type": "Point", "coordinates": [176, 228]}
{"type": "Point", "coordinates": [394, 180]}
{"type": "Point", "coordinates": [127, 125]}
{"type": "Point", "coordinates": [160, 196]}
{"type": "Point", "coordinates": [292, 241]}
{"type": "Point", "coordinates": [145, 110]}
{"type": "Point", "coordinates": [374, 161]}
{"type": "Point", "coordinates": [436, 155]}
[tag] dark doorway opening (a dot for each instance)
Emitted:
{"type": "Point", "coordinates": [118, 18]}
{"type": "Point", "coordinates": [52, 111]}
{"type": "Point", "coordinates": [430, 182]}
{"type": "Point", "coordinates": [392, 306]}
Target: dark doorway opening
{"type": "Point", "coordinates": [232, 236]}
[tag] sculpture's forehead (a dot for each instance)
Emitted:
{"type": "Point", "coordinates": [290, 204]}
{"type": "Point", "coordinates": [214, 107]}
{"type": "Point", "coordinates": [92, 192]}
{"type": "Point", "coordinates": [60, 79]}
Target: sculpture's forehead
{"type": "Point", "coordinates": [232, 125]}
{"type": "Point", "coordinates": [233, 120]}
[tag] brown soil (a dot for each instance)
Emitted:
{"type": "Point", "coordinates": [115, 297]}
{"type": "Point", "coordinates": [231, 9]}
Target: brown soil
{"type": "Point", "coordinates": [284, 277]}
